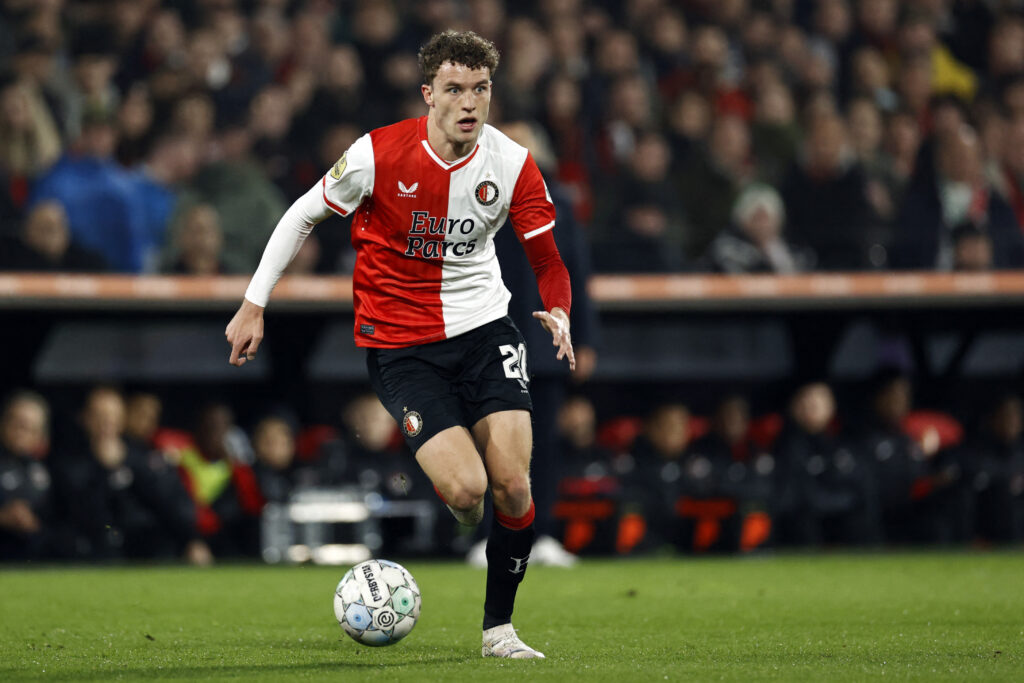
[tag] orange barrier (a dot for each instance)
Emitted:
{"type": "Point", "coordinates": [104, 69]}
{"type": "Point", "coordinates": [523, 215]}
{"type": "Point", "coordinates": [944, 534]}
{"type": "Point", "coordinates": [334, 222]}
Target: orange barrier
{"type": "Point", "coordinates": [610, 291]}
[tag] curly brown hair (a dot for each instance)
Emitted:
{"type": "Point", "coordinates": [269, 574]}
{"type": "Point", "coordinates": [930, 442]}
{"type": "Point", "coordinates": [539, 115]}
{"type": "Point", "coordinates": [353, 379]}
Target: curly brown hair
{"type": "Point", "coordinates": [458, 47]}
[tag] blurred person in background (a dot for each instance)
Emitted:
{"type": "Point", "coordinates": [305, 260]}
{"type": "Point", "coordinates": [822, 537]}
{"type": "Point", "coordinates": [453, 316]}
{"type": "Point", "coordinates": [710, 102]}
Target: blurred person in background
{"type": "Point", "coordinates": [663, 472]}
{"type": "Point", "coordinates": [142, 413]}
{"type": "Point", "coordinates": [748, 472]}
{"type": "Point", "coordinates": [1009, 180]}
{"type": "Point", "coordinates": [274, 446]}
{"type": "Point", "coordinates": [217, 470]}
{"type": "Point", "coordinates": [994, 463]}
{"type": "Point", "coordinates": [825, 489]}
{"type": "Point", "coordinates": [29, 139]}
{"type": "Point", "coordinates": [582, 455]}
{"type": "Point", "coordinates": [919, 493]}
{"type": "Point", "coordinates": [45, 245]}
{"type": "Point", "coordinates": [710, 185]}
{"type": "Point", "coordinates": [376, 457]}
{"type": "Point", "coordinates": [646, 231]}
{"type": "Point", "coordinates": [136, 128]}
{"type": "Point", "coordinates": [689, 122]}
{"type": "Point", "coordinates": [245, 199]}
{"type": "Point", "coordinates": [199, 243]}
{"type": "Point", "coordinates": [952, 192]}
{"type": "Point", "coordinates": [972, 248]}
{"type": "Point", "coordinates": [104, 211]}
{"type": "Point", "coordinates": [825, 195]}
{"type": "Point", "coordinates": [120, 501]}
{"type": "Point", "coordinates": [753, 242]}
{"type": "Point", "coordinates": [28, 526]}
{"type": "Point", "coordinates": [775, 134]}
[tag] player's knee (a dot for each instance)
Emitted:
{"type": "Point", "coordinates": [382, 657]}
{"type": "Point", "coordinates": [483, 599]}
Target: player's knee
{"type": "Point", "coordinates": [466, 495]}
{"type": "Point", "coordinates": [511, 492]}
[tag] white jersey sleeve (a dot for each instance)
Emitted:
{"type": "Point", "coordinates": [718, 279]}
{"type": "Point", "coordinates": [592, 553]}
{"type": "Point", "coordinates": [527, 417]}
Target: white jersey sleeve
{"type": "Point", "coordinates": [291, 231]}
{"type": "Point", "coordinates": [350, 181]}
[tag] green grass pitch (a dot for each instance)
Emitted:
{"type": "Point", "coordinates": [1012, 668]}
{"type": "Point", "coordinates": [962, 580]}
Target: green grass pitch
{"type": "Point", "coordinates": [929, 616]}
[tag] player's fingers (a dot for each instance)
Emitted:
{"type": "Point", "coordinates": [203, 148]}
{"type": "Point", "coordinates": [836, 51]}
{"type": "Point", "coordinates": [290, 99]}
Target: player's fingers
{"type": "Point", "coordinates": [254, 343]}
{"type": "Point", "coordinates": [237, 349]}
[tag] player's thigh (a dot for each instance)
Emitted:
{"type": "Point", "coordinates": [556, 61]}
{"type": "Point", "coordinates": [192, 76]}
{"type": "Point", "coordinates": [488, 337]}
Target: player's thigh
{"type": "Point", "coordinates": [451, 460]}
{"type": "Point", "coordinates": [506, 440]}
{"type": "Point", "coordinates": [416, 392]}
{"type": "Point", "coordinates": [494, 376]}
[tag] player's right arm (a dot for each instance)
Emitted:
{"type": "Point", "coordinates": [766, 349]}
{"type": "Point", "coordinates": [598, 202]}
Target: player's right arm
{"type": "Point", "coordinates": [340, 191]}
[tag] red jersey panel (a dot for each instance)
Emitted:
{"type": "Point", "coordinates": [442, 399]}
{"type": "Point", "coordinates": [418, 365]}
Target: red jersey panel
{"type": "Point", "coordinates": [423, 232]}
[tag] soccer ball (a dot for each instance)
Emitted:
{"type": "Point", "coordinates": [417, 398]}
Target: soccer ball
{"type": "Point", "coordinates": [377, 602]}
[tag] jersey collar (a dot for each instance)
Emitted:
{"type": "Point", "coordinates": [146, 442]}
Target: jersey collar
{"type": "Point", "coordinates": [446, 165]}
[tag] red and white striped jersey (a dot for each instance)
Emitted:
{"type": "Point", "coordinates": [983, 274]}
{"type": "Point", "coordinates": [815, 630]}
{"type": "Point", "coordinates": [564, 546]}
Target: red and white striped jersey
{"type": "Point", "coordinates": [423, 231]}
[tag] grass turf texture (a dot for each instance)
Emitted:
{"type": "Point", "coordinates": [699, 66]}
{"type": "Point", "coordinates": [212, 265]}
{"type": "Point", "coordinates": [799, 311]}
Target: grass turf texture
{"type": "Point", "coordinates": [828, 617]}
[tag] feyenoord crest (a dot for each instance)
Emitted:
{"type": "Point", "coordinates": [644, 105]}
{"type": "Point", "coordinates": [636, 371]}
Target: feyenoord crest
{"type": "Point", "coordinates": [486, 193]}
{"type": "Point", "coordinates": [412, 423]}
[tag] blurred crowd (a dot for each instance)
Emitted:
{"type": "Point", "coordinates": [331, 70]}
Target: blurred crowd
{"type": "Point", "coordinates": [113, 481]}
{"type": "Point", "coordinates": [689, 135]}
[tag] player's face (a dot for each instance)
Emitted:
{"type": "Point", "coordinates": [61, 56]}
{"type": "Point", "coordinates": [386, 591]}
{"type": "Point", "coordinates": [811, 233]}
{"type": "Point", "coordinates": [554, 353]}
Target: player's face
{"type": "Point", "coordinates": [459, 99]}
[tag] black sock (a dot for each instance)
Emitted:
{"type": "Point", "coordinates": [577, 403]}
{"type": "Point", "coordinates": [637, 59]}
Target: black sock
{"type": "Point", "coordinates": [508, 551]}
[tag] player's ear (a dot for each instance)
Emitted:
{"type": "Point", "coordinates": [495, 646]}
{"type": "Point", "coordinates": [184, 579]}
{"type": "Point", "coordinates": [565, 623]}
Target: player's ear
{"type": "Point", "coordinates": [428, 94]}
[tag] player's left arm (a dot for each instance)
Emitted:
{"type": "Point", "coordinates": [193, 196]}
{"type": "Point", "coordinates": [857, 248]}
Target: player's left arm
{"type": "Point", "coordinates": [533, 218]}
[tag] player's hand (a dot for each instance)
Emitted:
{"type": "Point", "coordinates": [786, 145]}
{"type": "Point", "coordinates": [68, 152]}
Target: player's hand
{"type": "Point", "coordinates": [557, 323]}
{"type": "Point", "coordinates": [245, 332]}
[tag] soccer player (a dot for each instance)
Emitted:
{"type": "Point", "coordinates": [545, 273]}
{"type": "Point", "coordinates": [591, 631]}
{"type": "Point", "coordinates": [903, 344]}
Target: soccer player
{"type": "Point", "coordinates": [426, 196]}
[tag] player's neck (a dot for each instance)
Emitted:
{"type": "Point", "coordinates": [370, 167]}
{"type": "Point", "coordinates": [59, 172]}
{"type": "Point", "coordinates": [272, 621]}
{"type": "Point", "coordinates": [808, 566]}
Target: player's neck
{"type": "Point", "coordinates": [445, 147]}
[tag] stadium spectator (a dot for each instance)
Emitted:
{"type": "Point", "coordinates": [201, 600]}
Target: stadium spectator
{"type": "Point", "coordinates": [919, 493]}
{"type": "Point", "coordinates": [955, 193]}
{"type": "Point", "coordinates": [120, 501]}
{"type": "Point", "coordinates": [45, 244]}
{"type": "Point", "coordinates": [170, 164]}
{"type": "Point", "coordinates": [243, 196]}
{"type": "Point", "coordinates": [710, 185]}
{"type": "Point", "coordinates": [972, 248]}
{"type": "Point", "coordinates": [664, 473]}
{"type": "Point", "coordinates": [28, 527]}
{"type": "Point", "coordinates": [748, 468]}
{"type": "Point", "coordinates": [994, 464]}
{"type": "Point", "coordinates": [377, 461]}
{"type": "Point", "coordinates": [199, 243]}
{"type": "Point", "coordinates": [646, 230]}
{"type": "Point", "coordinates": [582, 455]}
{"type": "Point", "coordinates": [142, 413]}
{"type": "Point", "coordinates": [1009, 173]}
{"type": "Point", "coordinates": [825, 491]}
{"type": "Point", "coordinates": [273, 444]}
{"type": "Point", "coordinates": [825, 196]}
{"type": "Point", "coordinates": [29, 138]}
{"type": "Point", "coordinates": [104, 211]}
{"type": "Point", "coordinates": [753, 242]}
{"type": "Point", "coordinates": [217, 472]}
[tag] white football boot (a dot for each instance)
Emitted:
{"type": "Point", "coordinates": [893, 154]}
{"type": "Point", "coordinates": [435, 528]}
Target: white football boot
{"type": "Point", "coordinates": [548, 552]}
{"type": "Point", "coordinates": [502, 641]}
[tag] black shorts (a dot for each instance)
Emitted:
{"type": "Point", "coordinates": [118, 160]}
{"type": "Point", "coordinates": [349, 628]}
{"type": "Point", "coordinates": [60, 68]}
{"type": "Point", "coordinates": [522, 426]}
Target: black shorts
{"type": "Point", "coordinates": [457, 381]}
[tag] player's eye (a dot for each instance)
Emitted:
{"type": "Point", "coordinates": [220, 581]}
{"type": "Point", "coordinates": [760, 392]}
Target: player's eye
{"type": "Point", "coordinates": [454, 91]}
